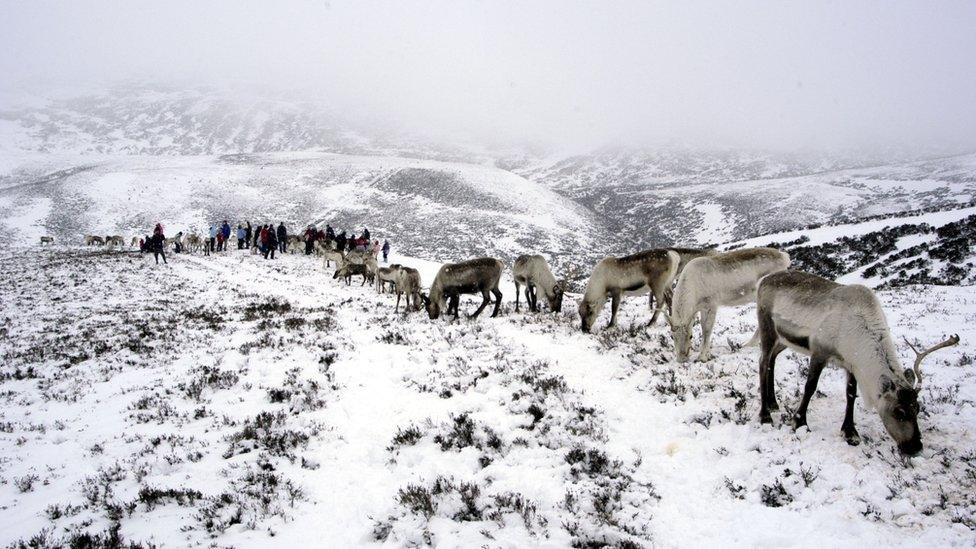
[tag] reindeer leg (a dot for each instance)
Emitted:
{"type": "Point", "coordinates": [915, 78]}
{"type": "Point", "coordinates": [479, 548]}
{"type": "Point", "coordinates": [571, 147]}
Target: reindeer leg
{"type": "Point", "coordinates": [707, 322]}
{"type": "Point", "coordinates": [486, 300]}
{"type": "Point", "coordinates": [498, 301]}
{"type": "Point", "coordinates": [817, 364]}
{"type": "Point", "coordinates": [771, 378]}
{"type": "Point", "coordinates": [517, 290]}
{"type": "Point", "coordinates": [614, 305]}
{"type": "Point", "coordinates": [454, 304]}
{"type": "Point", "coordinates": [656, 294]}
{"type": "Point", "coordinates": [767, 343]}
{"type": "Point", "coordinates": [850, 432]}
{"type": "Point", "coordinates": [397, 306]}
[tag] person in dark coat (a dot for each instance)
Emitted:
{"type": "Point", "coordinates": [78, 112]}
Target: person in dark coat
{"type": "Point", "coordinates": [158, 244]}
{"type": "Point", "coordinates": [341, 241]}
{"type": "Point", "coordinates": [365, 235]}
{"type": "Point", "coordinates": [386, 250]}
{"type": "Point", "coordinates": [309, 237]}
{"type": "Point", "coordinates": [272, 242]}
{"type": "Point", "coordinates": [282, 237]}
{"type": "Point", "coordinates": [329, 233]}
{"type": "Point", "coordinates": [257, 236]}
{"type": "Point", "coordinates": [248, 235]}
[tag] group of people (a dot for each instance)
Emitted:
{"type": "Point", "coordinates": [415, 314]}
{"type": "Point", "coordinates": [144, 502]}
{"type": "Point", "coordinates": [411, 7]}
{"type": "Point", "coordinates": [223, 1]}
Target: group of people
{"type": "Point", "coordinates": [345, 243]}
{"type": "Point", "coordinates": [266, 239]}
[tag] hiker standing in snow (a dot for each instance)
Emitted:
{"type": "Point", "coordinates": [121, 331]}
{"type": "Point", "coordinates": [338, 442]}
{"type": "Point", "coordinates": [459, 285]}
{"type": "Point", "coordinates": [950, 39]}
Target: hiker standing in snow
{"type": "Point", "coordinates": [248, 235]}
{"type": "Point", "coordinates": [158, 244]}
{"type": "Point", "coordinates": [365, 235]}
{"type": "Point", "coordinates": [272, 242]}
{"type": "Point", "coordinates": [376, 249]}
{"type": "Point", "coordinates": [241, 237]}
{"type": "Point", "coordinates": [309, 239]}
{"type": "Point", "coordinates": [213, 238]}
{"type": "Point", "coordinates": [282, 237]}
{"type": "Point", "coordinates": [225, 230]}
{"type": "Point", "coordinates": [386, 250]}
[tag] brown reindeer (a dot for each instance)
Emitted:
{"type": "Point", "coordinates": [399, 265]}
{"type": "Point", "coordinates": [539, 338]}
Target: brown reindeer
{"type": "Point", "coordinates": [651, 270]}
{"type": "Point", "coordinates": [467, 277]}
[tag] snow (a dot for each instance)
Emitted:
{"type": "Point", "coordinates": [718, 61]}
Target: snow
{"type": "Point", "coordinates": [114, 341]}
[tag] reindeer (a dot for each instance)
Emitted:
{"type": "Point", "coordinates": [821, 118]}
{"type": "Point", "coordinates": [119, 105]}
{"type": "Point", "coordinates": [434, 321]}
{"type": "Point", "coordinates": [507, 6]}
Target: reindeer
{"type": "Point", "coordinates": [329, 254]}
{"type": "Point", "coordinates": [49, 240]}
{"type": "Point", "coordinates": [408, 282]}
{"type": "Point", "coordinates": [686, 255]}
{"type": "Point", "coordinates": [467, 277]}
{"type": "Point", "coordinates": [346, 270]}
{"type": "Point", "coordinates": [831, 322]}
{"type": "Point", "coordinates": [95, 240]}
{"type": "Point", "coordinates": [651, 270]}
{"type": "Point", "coordinates": [117, 240]}
{"type": "Point", "coordinates": [533, 272]}
{"type": "Point", "coordinates": [710, 282]}
{"type": "Point", "coordinates": [194, 242]}
{"type": "Point", "coordinates": [384, 276]}
{"type": "Point", "coordinates": [134, 242]}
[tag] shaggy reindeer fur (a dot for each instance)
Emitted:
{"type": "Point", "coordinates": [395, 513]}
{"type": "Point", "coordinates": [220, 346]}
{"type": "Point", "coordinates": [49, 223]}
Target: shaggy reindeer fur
{"type": "Point", "coordinates": [721, 280]}
{"type": "Point", "coordinates": [328, 254]}
{"type": "Point", "coordinates": [843, 324]}
{"type": "Point", "coordinates": [533, 272]}
{"type": "Point", "coordinates": [651, 270]}
{"type": "Point", "coordinates": [467, 277]}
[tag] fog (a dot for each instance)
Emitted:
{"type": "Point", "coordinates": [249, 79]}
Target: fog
{"type": "Point", "coordinates": [777, 75]}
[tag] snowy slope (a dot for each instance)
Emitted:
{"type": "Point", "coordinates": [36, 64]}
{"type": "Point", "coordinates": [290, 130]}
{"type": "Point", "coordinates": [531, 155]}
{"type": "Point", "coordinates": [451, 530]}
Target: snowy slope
{"type": "Point", "coordinates": [438, 209]}
{"type": "Point", "coordinates": [252, 403]}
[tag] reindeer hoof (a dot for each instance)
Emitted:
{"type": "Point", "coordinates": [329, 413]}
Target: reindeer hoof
{"type": "Point", "coordinates": [799, 422]}
{"type": "Point", "coordinates": [765, 419]}
{"type": "Point", "coordinates": [852, 438]}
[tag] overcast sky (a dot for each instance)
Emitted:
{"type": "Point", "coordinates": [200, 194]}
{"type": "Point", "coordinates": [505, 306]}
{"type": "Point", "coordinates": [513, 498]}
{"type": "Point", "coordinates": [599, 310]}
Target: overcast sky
{"type": "Point", "coordinates": [741, 74]}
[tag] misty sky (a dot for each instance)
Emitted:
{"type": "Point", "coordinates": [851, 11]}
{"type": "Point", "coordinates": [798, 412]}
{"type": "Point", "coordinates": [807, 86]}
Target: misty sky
{"type": "Point", "coordinates": [740, 74]}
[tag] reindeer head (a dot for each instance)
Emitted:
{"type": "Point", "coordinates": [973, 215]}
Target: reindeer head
{"type": "Point", "coordinates": [682, 340]}
{"type": "Point", "coordinates": [433, 307]}
{"type": "Point", "coordinates": [339, 272]}
{"type": "Point", "coordinates": [556, 300]}
{"type": "Point", "coordinates": [588, 315]}
{"type": "Point", "coordinates": [898, 403]}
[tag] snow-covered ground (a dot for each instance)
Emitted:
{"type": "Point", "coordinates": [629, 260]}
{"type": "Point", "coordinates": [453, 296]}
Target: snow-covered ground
{"type": "Point", "coordinates": [236, 401]}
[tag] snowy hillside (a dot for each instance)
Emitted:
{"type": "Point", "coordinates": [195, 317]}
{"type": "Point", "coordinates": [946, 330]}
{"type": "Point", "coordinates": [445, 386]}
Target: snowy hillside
{"type": "Point", "coordinates": [934, 247]}
{"type": "Point", "coordinates": [236, 401]}
{"type": "Point", "coordinates": [429, 208]}
{"type": "Point", "coordinates": [701, 198]}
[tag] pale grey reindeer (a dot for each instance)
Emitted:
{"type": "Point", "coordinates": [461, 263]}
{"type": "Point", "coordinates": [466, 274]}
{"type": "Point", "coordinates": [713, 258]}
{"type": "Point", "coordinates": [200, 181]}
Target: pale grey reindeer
{"type": "Point", "coordinates": [386, 276]}
{"type": "Point", "coordinates": [721, 280]}
{"type": "Point", "coordinates": [408, 282]}
{"type": "Point", "coordinates": [685, 255]}
{"type": "Point", "coordinates": [533, 272]}
{"type": "Point", "coordinates": [467, 277]}
{"type": "Point", "coordinates": [650, 270]}
{"type": "Point", "coordinates": [843, 324]}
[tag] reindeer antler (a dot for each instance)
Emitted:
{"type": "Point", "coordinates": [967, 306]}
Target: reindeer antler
{"type": "Point", "coordinates": [919, 356]}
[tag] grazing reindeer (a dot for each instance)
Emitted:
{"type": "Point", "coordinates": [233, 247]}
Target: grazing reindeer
{"type": "Point", "coordinates": [648, 270]}
{"type": "Point", "coordinates": [329, 254]}
{"type": "Point", "coordinates": [533, 272]}
{"type": "Point", "coordinates": [96, 240]}
{"type": "Point", "coordinates": [710, 282]}
{"type": "Point", "coordinates": [117, 240]}
{"type": "Point", "coordinates": [134, 242]}
{"type": "Point", "coordinates": [686, 255]}
{"type": "Point", "coordinates": [467, 277]}
{"type": "Point", "coordinates": [408, 282]}
{"type": "Point", "coordinates": [844, 324]}
{"type": "Point", "coordinates": [384, 276]}
{"type": "Point", "coordinates": [49, 240]}
{"type": "Point", "coordinates": [346, 270]}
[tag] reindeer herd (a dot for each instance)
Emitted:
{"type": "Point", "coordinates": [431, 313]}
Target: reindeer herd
{"type": "Point", "coordinates": [827, 321]}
